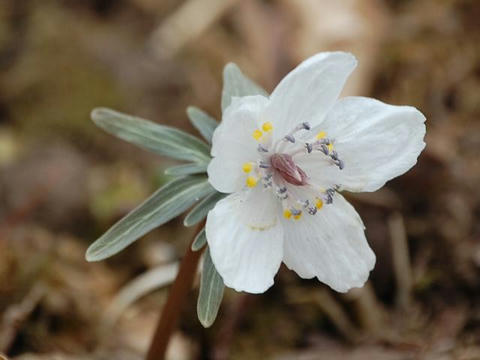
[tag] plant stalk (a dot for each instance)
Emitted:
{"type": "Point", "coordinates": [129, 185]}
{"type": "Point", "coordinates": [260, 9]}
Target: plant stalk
{"type": "Point", "coordinates": [176, 300]}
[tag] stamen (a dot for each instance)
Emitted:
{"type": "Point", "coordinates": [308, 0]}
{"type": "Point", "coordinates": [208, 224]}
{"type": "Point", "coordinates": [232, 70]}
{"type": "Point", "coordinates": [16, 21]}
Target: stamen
{"type": "Point", "coordinates": [318, 204]}
{"type": "Point", "coordinates": [287, 214]}
{"type": "Point", "coordinates": [306, 126]}
{"type": "Point", "coordinates": [298, 216]}
{"type": "Point", "coordinates": [321, 135]}
{"type": "Point", "coordinates": [329, 196]}
{"type": "Point", "coordinates": [324, 149]}
{"type": "Point", "coordinates": [247, 167]}
{"type": "Point", "coordinates": [290, 138]}
{"type": "Point", "coordinates": [281, 193]}
{"type": "Point", "coordinates": [257, 134]}
{"type": "Point", "coordinates": [282, 196]}
{"type": "Point", "coordinates": [312, 210]}
{"type": "Point", "coordinates": [267, 126]}
{"type": "Point", "coordinates": [251, 181]}
{"type": "Point", "coordinates": [295, 212]}
{"type": "Point", "coordinates": [267, 181]}
{"type": "Point", "coordinates": [264, 165]}
{"type": "Point", "coordinates": [262, 148]}
{"type": "Point", "coordinates": [309, 147]}
{"type": "Point", "coordinates": [304, 203]}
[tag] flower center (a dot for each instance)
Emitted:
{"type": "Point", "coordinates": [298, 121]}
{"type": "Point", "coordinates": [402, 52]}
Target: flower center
{"type": "Point", "coordinates": [275, 168]}
{"type": "Point", "coordinates": [284, 166]}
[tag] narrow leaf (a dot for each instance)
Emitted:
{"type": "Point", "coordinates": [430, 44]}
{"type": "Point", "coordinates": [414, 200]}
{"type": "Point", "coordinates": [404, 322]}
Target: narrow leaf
{"type": "Point", "coordinates": [163, 140]}
{"type": "Point", "coordinates": [211, 292]}
{"type": "Point", "coordinates": [200, 240]}
{"type": "Point", "coordinates": [166, 203]}
{"type": "Point", "coordinates": [204, 123]}
{"type": "Point", "coordinates": [187, 169]}
{"type": "Point", "coordinates": [200, 211]}
{"type": "Point", "coordinates": [235, 83]}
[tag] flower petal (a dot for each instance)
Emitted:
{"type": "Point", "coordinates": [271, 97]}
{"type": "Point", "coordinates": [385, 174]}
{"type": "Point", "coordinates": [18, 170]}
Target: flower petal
{"type": "Point", "coordinates": [330, 246]}
{"type": "Point", "coordinates": [246, 239]}
{"type": "Point", "coordinates": [233, 144]}
{"type": "Point", "coordinates": [309, 91]}
{"type": "Point", "coordinates": [376, 141]}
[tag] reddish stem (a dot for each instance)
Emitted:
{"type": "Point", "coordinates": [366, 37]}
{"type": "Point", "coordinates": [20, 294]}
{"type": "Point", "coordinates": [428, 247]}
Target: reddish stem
{"type": "Point", "coordinates": [175, 302]}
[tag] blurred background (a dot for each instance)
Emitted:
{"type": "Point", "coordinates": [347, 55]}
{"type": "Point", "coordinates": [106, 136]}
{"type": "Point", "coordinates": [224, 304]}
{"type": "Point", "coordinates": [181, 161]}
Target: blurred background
{"type": "Point", "coordinates": [63, 182]}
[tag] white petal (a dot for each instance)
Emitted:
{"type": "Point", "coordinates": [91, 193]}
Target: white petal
{"type": "Point", "coordinates": [233, 144]}
{"type": "Point", "coordinates": [376, 141]}
{"type": "Point", "coordinates": [246, 239]}
{"type": "Point", "coordinates": [330, 245]}
{"type": "Point", "coordinates": [309, 91]}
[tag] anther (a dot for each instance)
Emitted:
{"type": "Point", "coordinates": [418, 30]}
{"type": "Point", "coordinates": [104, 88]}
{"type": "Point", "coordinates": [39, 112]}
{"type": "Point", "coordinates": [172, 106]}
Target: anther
{"type": "Point", "coordinates": [324, 149]}
{"type": "Point", "coordinates": [309, 147]}
{"type": "Point", "coordinates": [262, 148]}
{"type": "Point", "coordinates": [295, 212]}
{"type": "Point", "coordinates": [306, 126]}
{"type": "Point", "coordinates": [304, 203]}
{"type": "Point", "coordinates": [290, 138]}
{"type": "Point", "coordinates": [257, 134]}
{"type": "Point", "coordinates": [267, 126]}
{"type": "Point", "coordinates": [312, 210]}
{"type": "Point", "coordinates": [340, 164]}
{"type": "Point", "coordinates": [247, 167]}
{"type": "Point", "coordinates": [282, 195]}
{"type": "Point", "coordinates": [251, 181]}
{"type": "Point", "coordinates": [263, 165]}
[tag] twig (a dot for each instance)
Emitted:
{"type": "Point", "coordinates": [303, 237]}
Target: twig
{"type": "Point", "coordinates": [332, 309]}
{"type": "Point", "coordinates": [17, 24]}
{"type": "Point", "coordinates": [152, 280]}
{"type": "Point", "coordinates": [401, 260]}
{"type": "Point", "coordinates": [191, 19]}
{"type": "Point", "coordinates": [370, 313]}
{"type": "Point", "coordinates": [176, 299]}
{"type": "Point", "coordinates": [16, 316]}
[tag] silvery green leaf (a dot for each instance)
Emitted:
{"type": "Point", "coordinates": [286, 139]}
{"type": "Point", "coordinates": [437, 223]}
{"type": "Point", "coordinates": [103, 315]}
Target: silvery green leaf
{"type": "Point", "coordinates": [200, 211]}
{"type": "Point", "coordinates": [200, 240]}
{"type": "Point", "coordinates": [203, 122]}
{"type": "Point", "coordinates": [187, 169]}
{"type": "Point", "coordinates": [169, 201]}
{"type": "Point", "coordinates": [163, 140]}
{"type": "Point", "coordinates": [211, 292]}
{"type": "Point", "coordinates": [235, 83]}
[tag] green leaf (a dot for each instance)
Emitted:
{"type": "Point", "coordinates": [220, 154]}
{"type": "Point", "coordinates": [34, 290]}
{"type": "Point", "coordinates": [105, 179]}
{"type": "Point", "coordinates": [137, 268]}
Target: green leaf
{"type": "Point", "coordinates": [163, 140]}
{"type": "Point", "coordinates": [204, 123]}
{"type": "Point", "coordinates": [211, 292]}
{"type": "Point", "coordinates": [200, 240]}
{"type": "Point", "coordinates": [187, 169]}
{"type": "Point", "coordinates": [169, 201]}
{"type": "Point", "coordinates": [200, 211]}
{"type": "Point", "coordinates": [235, 83]}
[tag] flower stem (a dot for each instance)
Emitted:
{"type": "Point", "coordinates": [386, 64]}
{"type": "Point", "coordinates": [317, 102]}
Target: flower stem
{"type": "Point", "coordinates": [175, 302]}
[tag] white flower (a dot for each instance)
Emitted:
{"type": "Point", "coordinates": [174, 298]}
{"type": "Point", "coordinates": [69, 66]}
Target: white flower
{"type": "Point", "coordinates": [284, 159]}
